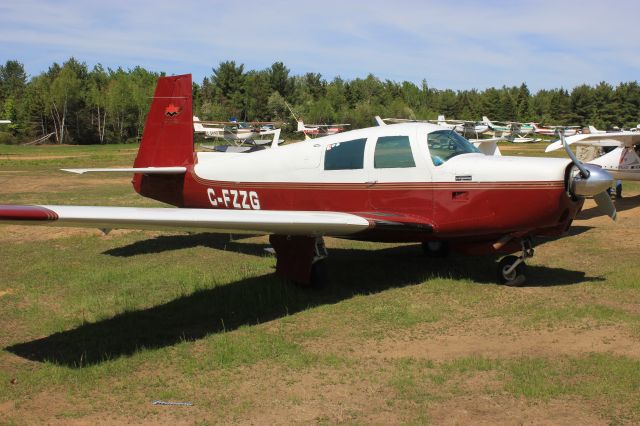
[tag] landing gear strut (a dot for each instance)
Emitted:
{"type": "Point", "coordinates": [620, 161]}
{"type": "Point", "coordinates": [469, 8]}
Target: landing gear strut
{"type": "Point", "coordinates": [511, 268]}
{"type": "Point", "coordinates": [300, 259]}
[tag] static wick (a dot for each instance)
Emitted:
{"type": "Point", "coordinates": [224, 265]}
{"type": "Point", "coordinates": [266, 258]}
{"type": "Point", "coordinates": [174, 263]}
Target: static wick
{"type": "Point", "coordinates": [180, 404]}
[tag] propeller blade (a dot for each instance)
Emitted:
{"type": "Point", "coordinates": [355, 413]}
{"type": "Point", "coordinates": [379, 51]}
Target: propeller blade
{"type": "Point", "coordinates": [605, 205]}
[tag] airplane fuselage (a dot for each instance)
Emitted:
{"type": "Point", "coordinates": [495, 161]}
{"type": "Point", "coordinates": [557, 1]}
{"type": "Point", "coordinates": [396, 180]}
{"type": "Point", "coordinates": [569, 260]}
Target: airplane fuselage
{"type": "Point", "coordinates": [470, 197]}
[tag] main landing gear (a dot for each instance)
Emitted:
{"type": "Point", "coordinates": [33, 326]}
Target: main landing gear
{"type": "Point", "coordinates": [300, 259]}
{"type": "Point", "coordinates": [511, 268]}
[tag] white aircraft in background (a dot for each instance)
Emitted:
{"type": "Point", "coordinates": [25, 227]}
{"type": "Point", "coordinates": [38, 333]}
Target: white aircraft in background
{"type": "Point", "coordinates": [622, 162]}
{"type": "Point", "coordinates": [512, 131]}
{"type": "Point", "coordinates": [238, 132]}
{"type": "Point", "coordinates": [593, 130]}
{"type": "Point", "coordinates": [320, 129]}
{"type": "Point", "coordinates": [463, 126]}
{"type": "Point", "coordinates": [316, 129]}
{"type": "Point", "coordinates": [5, 121]}
{"type": "Point", "coordinates": [553, 130]}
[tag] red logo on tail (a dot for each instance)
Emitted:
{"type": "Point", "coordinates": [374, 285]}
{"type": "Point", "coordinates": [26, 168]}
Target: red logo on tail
{"type": "Point", "coordinates": [172, 111]}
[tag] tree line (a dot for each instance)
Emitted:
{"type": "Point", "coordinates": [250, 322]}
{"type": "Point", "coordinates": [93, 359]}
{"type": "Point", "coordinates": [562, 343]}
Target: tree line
{"type": "Point", "coordinates": [77, 105]}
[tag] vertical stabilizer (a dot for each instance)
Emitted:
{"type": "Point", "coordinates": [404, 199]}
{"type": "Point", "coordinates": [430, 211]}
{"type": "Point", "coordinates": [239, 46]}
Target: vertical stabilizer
{"type": "Point", "coordinates": [167, 139]}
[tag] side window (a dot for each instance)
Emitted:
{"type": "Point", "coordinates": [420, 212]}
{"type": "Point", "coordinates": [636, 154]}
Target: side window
{"type": "Point", "coordinates": [393, 152]}
{"type": "Point", "coordinates": [345, 155]}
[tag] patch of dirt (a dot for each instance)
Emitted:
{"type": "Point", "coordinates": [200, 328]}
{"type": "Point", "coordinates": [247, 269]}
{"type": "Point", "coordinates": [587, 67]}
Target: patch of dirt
{"type": "Point", "coordinates": [27, 234]}
{"type": "Point", "coordinates": [492, 410]}
{"type": "Point", "coordinates": [6, 407]}
{"type": "Point", "coordinates": [294, 397]}
{"type": "Point", "coordinates": [6, 292]}
{"type": "Point", "coordinates": [458, 344]}
{"type": "Point", "coordinates": [12, 157]}
{"type": "Point", "coordinates": [17, 185]}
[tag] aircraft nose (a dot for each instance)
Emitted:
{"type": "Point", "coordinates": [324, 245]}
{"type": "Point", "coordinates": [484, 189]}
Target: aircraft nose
{"type": "Point", "coordinates": [599, 180]}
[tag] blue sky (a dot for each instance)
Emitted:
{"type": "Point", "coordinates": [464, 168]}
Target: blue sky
{"type": "Point", "coordinates": [458, 45]}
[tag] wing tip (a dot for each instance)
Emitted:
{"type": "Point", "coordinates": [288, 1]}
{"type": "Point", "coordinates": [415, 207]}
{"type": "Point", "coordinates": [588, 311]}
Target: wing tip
{"type": "Point", "coordinates": [26, 213]}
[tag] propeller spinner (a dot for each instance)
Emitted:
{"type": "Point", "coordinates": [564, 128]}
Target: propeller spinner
{"type": "Point", "coordinates": [588, 180]}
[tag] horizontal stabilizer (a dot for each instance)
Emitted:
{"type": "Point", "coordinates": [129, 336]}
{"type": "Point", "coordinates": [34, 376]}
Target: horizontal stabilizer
{"type": "Point", "coordinates": [144, 170]}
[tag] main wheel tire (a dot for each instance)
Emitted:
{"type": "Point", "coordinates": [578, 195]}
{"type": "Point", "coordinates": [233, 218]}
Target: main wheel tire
{"type": "Point", "coordinates": [515, 277]}
{"type": "Point", "coordinates": [318, 277]}
{"type": "Point", "coordinates": [437, 249]}
{"type": "Point", "coordinates": [319, 274]}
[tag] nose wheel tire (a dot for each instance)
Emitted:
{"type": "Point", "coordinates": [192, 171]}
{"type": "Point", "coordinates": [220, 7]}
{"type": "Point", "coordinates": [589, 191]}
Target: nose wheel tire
{"type": "Point", "coordinates": [436, 249]}
{"type": "Point", "coordinates": [509, 275]}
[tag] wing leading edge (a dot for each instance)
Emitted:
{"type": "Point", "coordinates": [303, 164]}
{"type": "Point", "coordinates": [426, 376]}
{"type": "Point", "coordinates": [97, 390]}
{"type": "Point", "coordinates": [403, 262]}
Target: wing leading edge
{"type": "Point", "coordinates": [268, 221]}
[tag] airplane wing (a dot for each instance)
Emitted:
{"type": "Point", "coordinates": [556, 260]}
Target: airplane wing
{"type": "Point", "coordinates": [267, 221]}
{"type": "Point", "coordinates": [178, 170]}
{"type": "Point", "coordinates": [627, 139]}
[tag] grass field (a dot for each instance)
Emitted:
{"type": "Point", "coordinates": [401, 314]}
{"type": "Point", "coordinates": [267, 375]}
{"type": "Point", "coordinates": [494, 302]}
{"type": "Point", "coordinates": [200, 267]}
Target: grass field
{"type": "Point", "coordinates": [94, 327]}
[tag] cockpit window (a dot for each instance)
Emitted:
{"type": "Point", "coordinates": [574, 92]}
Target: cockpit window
{"type": "Point", "coordinates": [446, 144]}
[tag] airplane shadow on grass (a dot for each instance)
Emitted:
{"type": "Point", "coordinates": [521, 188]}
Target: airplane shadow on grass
{"type": "Point", "coordinates": [256, 300]}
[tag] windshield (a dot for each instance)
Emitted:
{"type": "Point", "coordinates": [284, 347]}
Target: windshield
{"type": "Point", "coordinates": [446, 144]}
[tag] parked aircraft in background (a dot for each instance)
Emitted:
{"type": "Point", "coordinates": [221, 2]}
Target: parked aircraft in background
{"type": "Point", "coordinates": [316, 130]}
{"type": "Point", "coordinates": [410, 182]}
{"type": "Point", "coordinates": [238, 132]}
{"type": "Point", "coordinates": [622, 162]}
{"type": "Point", "coordinates": [553, 130]}
{"type": "Point", "coordinates": [512, 131]}
{"type": "Point", "coordinates": [464, 127]}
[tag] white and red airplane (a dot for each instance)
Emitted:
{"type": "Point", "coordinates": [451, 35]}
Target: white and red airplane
{"type": "Point", "coordinates": [412, 182]}
{"type": "Point", "coordinates": [553, 130]}
{"type": "Point", "coordinates": [320, 129]}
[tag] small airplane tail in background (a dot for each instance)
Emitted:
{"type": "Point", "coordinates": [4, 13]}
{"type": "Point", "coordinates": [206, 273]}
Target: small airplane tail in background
{"type": "Point", "coordinates": [441, 119]}
{"type": "Point", "coordinates": [300, 125]}
{"type": "Point", "coordinates": [485, 120]}
{"type": "Point", "coordinates": [197, 125]}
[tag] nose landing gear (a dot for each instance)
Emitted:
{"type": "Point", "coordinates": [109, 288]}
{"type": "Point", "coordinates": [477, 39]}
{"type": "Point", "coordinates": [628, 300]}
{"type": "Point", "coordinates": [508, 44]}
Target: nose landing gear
{"type": "Point", "coordinates": [511, 268]}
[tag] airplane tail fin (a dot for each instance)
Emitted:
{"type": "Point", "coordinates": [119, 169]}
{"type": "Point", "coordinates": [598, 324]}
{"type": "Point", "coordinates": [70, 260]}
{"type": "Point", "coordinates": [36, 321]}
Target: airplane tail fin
{"type": "Point", "coordinates": [593, 130]}
{"type": "Point", "coordinates": [167, 139]}
{"type": "Point", "coordinates": [441, 119]}
{"type": "Point", "coordinates": [300, 125]}
{"type": "Point", "coordinates": [486, 121]}
{"type": "Point", "coordinates": [197, 125]}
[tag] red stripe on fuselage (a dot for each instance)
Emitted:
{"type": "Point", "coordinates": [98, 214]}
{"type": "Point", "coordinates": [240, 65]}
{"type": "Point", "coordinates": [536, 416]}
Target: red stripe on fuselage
{"type": "Point", "coordinates": [456, 209]}
{"type": "Point", "coordinates": [8, 212]}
